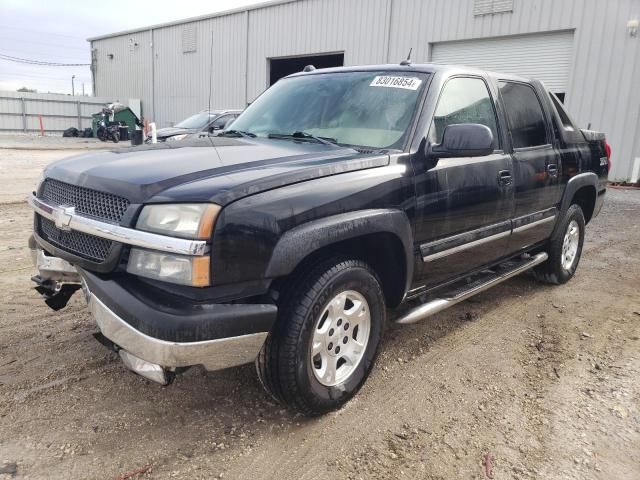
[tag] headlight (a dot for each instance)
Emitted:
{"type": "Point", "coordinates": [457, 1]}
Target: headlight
{"type": "Point", "coordinates": [184, 220]}
{"type": "Point", "coordinates": [167, 267]}
{"type": "Point", "coordinates": [177, 137]}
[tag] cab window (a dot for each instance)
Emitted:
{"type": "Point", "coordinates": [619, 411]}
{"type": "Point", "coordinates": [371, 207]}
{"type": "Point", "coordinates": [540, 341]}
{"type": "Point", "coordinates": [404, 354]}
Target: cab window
{"type": "Point", "coordinates": [524, 113]}
{"type": "Point", "coordinates": [220, 122]}
{"type": "Point", "coordinates": [464, 100]}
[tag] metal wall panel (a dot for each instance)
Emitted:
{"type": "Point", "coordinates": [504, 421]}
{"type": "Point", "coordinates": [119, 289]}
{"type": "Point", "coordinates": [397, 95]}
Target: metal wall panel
{"type": "Point", "coordinates": [602, 84]}
{"type": "Point", "coordinates": [20, 110]}
{"type": "Point", "coordinates": [182, 79]}
{"type": "Point", "coordinates": [359, 28]}
{"type": "Point", "coordinates": [128, 74]}
{"type": "Point", "coordinates": [546, 56]}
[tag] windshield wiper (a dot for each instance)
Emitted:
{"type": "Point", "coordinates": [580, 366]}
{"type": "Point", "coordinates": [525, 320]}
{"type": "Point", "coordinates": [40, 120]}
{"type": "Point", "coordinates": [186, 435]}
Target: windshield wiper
{"type": "Point", "coordinates": [239, 133]}
{"type": "Point", "coordinates": [304, 136]}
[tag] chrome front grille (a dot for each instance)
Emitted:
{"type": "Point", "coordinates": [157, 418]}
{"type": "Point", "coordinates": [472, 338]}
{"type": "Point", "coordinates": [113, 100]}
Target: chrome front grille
{"type": "Point", "coordinates": [81, 244]}
{"type": "Point", "coordinates": [86, 201]}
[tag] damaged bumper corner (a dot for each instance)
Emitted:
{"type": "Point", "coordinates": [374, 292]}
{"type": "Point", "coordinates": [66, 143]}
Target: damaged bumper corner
{"type": "Point", "coordinates": [57, 280]}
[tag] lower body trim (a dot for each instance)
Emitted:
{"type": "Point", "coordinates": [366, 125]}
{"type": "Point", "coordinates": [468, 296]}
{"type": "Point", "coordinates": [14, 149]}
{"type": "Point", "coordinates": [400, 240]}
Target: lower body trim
{"type": "Point", "coordinates": [438, 304]}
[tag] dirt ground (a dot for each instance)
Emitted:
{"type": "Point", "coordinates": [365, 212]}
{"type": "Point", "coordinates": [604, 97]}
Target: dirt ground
{"type": "Point", "coordinates": [523, 381]}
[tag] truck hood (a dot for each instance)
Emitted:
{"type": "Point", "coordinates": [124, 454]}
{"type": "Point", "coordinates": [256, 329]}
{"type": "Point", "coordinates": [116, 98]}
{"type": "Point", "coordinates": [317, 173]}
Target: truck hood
{"type": "Point", "coordinates": [173, 131]}
{"type": "Point", "coordinates": [194, 171]}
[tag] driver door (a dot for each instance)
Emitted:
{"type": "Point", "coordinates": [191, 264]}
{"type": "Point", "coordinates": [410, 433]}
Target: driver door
{"type": "Point", "coordinates": [464, 205]}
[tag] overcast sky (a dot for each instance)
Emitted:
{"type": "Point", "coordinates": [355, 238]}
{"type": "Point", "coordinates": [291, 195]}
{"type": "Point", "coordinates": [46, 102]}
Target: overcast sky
{"type": "Point", "coordinates": [56, 31]}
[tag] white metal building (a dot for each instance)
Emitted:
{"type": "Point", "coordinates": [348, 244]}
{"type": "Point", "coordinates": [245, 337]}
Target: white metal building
{"type": "Point", "coordinates": [587, 51]}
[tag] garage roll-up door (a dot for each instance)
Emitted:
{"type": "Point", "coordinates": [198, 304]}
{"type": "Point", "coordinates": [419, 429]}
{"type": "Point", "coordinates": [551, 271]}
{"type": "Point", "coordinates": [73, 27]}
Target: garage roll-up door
{"type": "Point", "coordinates": [544, 56]}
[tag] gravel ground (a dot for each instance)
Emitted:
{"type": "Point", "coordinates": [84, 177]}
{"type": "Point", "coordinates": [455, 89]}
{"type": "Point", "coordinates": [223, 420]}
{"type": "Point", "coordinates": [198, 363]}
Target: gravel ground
{"type": "Point", "coordinates": [56, 142]}
{"type": "Point", "coordinates": [523, 381]}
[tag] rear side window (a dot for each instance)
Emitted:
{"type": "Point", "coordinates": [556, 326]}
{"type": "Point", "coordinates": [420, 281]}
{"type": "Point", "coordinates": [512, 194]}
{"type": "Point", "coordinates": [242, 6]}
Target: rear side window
{"type": "Point", "coordinates": [464, 100]}
{"type": "Point", "coordinates": [524, 112]}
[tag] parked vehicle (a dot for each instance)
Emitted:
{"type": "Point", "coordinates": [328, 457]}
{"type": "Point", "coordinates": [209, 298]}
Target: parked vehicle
{"type": "Point", "coordinates": [205, 121]}
{"type": "Point", "coordinates": [108, 130]}
{"type": "Point", "coordinates": [109, 122]}
{"type": "Point", "coordinates": [338, 194]}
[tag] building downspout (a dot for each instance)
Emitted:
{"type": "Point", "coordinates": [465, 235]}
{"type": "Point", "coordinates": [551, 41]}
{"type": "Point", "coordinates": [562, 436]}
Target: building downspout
{"type": "Point", "coordinates": [153, 76]}
{"type": "Point", "coordinates": [390, 17]}
{"type": "Point", "coordinates": [94, 68]}
{"type": "Point", "coordinates": [246, 64]}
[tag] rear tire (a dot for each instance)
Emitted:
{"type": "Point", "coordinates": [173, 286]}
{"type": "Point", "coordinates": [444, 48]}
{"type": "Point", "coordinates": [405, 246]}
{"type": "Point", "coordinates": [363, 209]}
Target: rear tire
{"type": "Point", "coordinates": [101, 134]}
{"type": "Point", "coordinates": [564, 249]}
{"type": "Point", "coordinates": [325, 340]}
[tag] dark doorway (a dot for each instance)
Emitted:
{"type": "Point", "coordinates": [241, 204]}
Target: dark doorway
{"type": "Point", "coordinates": [281, 67]}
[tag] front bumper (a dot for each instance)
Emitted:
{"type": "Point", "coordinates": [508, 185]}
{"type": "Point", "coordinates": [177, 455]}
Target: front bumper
{"type": "Point", "coordinates": [176, 332]}
{"type": "Point", "coordinates": [213, 354]}
{"type": "Point", "coordinates": [164, 332]}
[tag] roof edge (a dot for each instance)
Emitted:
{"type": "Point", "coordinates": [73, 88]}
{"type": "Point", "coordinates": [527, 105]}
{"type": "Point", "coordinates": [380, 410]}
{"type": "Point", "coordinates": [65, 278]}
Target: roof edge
{"type": "Point", "coordinates": [223, 13]}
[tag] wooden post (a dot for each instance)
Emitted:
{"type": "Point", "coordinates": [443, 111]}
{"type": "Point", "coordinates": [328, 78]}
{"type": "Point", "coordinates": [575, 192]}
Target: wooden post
{"type": "Point", "coordinates": [41, 127]}
{"type": "Point", "coordinates": [24, 115]}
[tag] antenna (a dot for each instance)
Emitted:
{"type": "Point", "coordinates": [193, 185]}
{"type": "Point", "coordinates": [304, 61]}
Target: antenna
{"type": "Point", "coordinates": [408, 59]}
{"type": "Point", "coordinates": [210, 88]}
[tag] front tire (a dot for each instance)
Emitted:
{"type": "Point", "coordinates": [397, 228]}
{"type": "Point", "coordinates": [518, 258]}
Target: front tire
{"type": "Point", "coordinates": [325, 341]}
{"type": "Point", "coordinates": [564, 249]}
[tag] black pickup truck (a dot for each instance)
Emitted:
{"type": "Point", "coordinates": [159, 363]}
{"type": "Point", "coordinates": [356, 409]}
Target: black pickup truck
{"type": "Point", "coordinates": [337, 195]}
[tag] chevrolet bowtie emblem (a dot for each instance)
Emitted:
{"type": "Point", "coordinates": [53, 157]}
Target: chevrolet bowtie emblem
{"type": "Point", "coordinates": [62, 217]}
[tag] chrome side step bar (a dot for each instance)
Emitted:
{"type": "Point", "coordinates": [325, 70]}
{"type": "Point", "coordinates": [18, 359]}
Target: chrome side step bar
{"type": "Point", "coordinates": [486, 280]}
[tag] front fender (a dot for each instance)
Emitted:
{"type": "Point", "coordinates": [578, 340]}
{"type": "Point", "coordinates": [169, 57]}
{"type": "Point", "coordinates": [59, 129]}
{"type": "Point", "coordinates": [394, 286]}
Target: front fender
{"type": "Point", "coordinates": [299, 242]}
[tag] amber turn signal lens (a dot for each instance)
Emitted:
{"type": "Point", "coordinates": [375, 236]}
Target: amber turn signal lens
{"type": "Point", "coordinates": [208, 221]}
{"type": "Point", "coordinates": [200, 271]}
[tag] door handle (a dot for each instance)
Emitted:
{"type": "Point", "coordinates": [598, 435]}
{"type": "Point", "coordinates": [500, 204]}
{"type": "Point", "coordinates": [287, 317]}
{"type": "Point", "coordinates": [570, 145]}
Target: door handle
{"type": "Point", "coordinates": [505, 178]}
{"type": "Point", "coordinates": [552, 170]}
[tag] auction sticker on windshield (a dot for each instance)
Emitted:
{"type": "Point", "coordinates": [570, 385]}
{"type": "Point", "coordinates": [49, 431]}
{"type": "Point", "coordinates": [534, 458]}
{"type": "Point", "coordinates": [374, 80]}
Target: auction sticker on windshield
{"type": "Point", "coordinates": [408, 83]}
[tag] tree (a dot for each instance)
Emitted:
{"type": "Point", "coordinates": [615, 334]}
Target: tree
{"type": "Point", "coordinates": [28, 90]}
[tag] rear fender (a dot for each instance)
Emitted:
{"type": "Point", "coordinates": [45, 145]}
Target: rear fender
{"type": "Point", "coordinates": [575, 183]}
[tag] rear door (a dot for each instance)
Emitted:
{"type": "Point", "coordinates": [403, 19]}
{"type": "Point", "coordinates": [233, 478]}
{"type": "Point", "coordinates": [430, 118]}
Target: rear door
{"type": "Point", "coordinates": [536, 165]}
{"type": "Point", "coordinates": [463, 217]}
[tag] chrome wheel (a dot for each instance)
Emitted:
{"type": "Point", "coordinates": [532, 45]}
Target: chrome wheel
{"type": "Point", "coordinates": [340, 338]}
{"type": "Point", "coordinates": [570, 245]}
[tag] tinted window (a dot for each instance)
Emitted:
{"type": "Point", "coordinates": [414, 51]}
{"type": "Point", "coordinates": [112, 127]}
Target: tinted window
{"type": "Point", "coordinates": [464, 100]}
{"type": "Point", "coordinates": [199, 120]}
{"type": "Point", "coordinates": [524, 112]}
{"type": "Point", "coordinates": [221, 121]}
{"type": "Point", "coordinates": [367, 109]}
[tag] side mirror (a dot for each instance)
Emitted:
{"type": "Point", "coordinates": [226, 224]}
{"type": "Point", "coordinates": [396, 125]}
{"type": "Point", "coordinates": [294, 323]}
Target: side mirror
{"type": "Point", "coordinates": [463, 140]}
{"type": "Point", "coordinates": [214, 128]}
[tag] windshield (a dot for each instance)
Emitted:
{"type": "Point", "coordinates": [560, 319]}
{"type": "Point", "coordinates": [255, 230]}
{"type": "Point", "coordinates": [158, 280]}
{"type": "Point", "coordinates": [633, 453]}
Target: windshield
{"type": "Point", "coordinates": [370, 109]}
{"type": "Point", "coordinates": [199, 120]}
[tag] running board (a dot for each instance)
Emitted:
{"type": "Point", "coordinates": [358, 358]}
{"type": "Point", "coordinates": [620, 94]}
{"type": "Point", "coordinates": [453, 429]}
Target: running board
{"type": "Point", "coordinates": [481, 282]}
